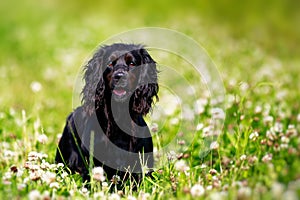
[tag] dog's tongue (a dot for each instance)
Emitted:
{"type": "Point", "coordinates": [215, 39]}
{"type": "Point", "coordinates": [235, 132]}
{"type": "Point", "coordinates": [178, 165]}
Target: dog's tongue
{"type": "Point", "coordinates": [119, 92]}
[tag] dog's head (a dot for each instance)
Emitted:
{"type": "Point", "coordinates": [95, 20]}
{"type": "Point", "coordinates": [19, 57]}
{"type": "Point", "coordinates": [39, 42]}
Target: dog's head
{"type": "Point", "coordinates": [120, 73]}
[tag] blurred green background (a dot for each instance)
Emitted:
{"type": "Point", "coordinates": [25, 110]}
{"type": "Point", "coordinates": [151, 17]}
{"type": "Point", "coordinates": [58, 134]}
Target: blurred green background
{"type": "Point", "coordinates": [47, 41]}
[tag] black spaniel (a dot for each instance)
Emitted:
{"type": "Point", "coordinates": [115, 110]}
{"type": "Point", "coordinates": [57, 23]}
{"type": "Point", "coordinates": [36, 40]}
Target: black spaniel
{"type": "Point", "coordinates": [108, 130]}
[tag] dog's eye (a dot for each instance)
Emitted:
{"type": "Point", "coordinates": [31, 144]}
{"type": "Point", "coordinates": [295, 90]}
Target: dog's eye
{"type": "Point", "coordinates": [110, 64]}
{"type": "Point", "coordinates": [132, 64]}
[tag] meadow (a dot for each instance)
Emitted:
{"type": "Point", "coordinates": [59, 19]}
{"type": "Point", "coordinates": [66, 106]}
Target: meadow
{"type": "Point", "coordinates": [255, 152]}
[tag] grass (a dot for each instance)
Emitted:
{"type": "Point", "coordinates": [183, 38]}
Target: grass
{"type": "Point", "coordinates": [254, 44]}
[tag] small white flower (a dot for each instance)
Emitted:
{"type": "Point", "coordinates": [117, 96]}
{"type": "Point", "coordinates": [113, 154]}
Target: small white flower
{"type": "Point", "coordinates": [277, 189]}
{"type": "Point", "coordinates": [197, 190]}
{"type": "Point", "coordinates": [54, 185]}
{"type": "Point", "coordinates": [267, 158]}
{"type": "Point", "coordinates": [285, 139]}
{"type": "Point", "coordinates": [84, 191]}
{"type": "Point", "coordinates": [244, 86]}
{"type": "Point", "coordinates": [244, 192]}
{"type": "Point", "coordinates": [199, 106]}
{"type": "Point", "coordinates": [114, 196]}
{"type": "Point", "coordinates": [284, 146]}
{"type": "Point", "coordinates": [181, 165]}
{"type": "Point", "coordinates": [218, 113]}
{"type": "Point", "coordinates": [253, 136]}
{"type": "Point", "coordinates": [268, 119]}
{"type": "Point", "coordinates": [48, 177]}
{"type": "Point", "coordinates": [187, 113]}
{"type": "Point", "coordinates": [243, 157]}
{"type": "Point", "coordinates": [144, 196]}
{"type": "Point", "coordinates": [34, 195]}
{"type": "Point", "coordinates": [9, 154]}
{"type": "Point", "coordinates": [258, 109]}
{"type": "Point", "coordinates": [154, 127]}
{"type": "Point", "coordinates": [36, 86]}
{"type": "Point", "coordinates": [278, 127]}
{"type": "Point", "coordinates": [174, 121]}
{"type": "Point", "coordinates": [171, 155]}
{"type": "Point", "coordinates": [131, 197]}
{"type": "Point", "coordinates": [99, 195]}
{"type": "Point", "coordinates": [60, 165]}
{"type": "Point", "coordinates": [98, 174]}
{"type": "Point", "coordinates": [42, 138]}
{"type": "Point", "coordinates": [203, 166]}
{"type": "Point", "coordinates": [214, 145]}
{"type": "Point", "coordinates": [290, 195]}
{"type": "Point", "coordinates": [291, 131]}
{"type": "Point", "coordinates": [271, 134]}
{"type": "Point", "coordinates": [207, 131]}
{"type": "Point", "coordinates": [199, 126]}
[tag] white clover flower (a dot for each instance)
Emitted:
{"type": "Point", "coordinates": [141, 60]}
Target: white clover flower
{"type": "Point", "coordinates": [34, 195]}
{"type": "Point", "coordinates": [244, 192]}
{"type": "Point", "coordinates": [35, 175]}
{"type": "Point", "coordinates": [268, 119]}
{"type": "Point", "coordinates": [258, 109]}
{"type": "Point", "coordinates": [144, 196]}
{"type": "Point", "coordinates": [98, 174]}
{"type": "Point", "coordinates": [253, 136]}
{"type": "Point", "coordinates": [285, 139]}
{"type": "Point", "coordinates": [278, 127]}
{"type": "Point", "coordinates": [60, 165]}
{"type": "Point", "coordinates": [203, 166]}
{"type": "Point", "coordinates": [213, 171]}
{"type": "Point", "coordinates": [252, 159]}
{"type": "Point", "coordinates": [174, 121]}
{"type": "Point", "coordinates": [171, 155]}
{"type": "Point", "coordinates": [181, 165]}
{"type": "Point", "coordinates": [36, 86]}
{"type": "Point", "coordinates": [199, 105]}
{"type": "Point", "coordinates": [99, 195]}
{"type": "Point", "coordinates": [271, 134]}
{"type": "Point", "coordinates": [42, 138]}
{"type": "Point", "coordinates": [9, 154]}
{"type": "Point", "coordinates": [154, 127]}
{"type": "Point", "coordinates": [267, 158]}
{"type": "Point", "coordinates": [214, 145]}
{"type": "Point", "coordinates": [104, 185]}
{"type": "Point", "coordinates": [290, 195]}
{"type": "Point", "coordinates": [199, 126]}
{"type": "Point", "coordinates": [291, 131]}
{"type": "Point", "coordinates": [54, 185]}
{"type": "Point", "coordinates": [187, 113]}
{"type": "Point", "coordinates": [284, 146]}
{"type": "Point", "coordinates": [277, 189]}
{"type": "Point", "coordinates": [207, 131]}
{"type": "Point", "coordinates": [131, 197]}
{"type": "Point", "coordinates": [114, 196]}
{"type": "Point", "coordinates": [243, 157]}
{"type": "Point", "coordinates": [244, 86]}
{"type": "Point", "coordinates": [218, 113]}
{"type": "Point", "coordinates": [197, 190]}
{"type": "Point", "coordinates": [48, 177]}
{"type": "Point", "coordinates": [84, 191]}
{"type": "Point", "coordinates": [21, 186]}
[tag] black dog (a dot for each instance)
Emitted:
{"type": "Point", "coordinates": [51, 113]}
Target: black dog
{"type": "Point", "coordinates": [120, 86]}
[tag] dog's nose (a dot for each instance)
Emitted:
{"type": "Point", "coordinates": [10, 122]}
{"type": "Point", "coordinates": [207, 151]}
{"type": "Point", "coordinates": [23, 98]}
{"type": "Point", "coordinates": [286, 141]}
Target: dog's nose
{"type": "Point", "coordinates": [118, 75]}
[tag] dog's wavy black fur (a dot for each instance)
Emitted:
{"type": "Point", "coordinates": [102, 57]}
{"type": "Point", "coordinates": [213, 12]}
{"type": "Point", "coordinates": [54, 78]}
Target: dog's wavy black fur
{"type": "Point", "coordinates": [120, 87]}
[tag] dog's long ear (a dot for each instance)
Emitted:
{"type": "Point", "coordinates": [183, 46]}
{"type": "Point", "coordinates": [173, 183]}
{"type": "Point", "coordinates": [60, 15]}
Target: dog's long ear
{"type": "Point", "coordinates": [93, 90]}
{"type": "Point", "coordinates": [147, 85]}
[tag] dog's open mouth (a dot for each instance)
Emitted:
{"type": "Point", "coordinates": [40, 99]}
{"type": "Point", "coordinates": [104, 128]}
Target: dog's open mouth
{"type": "Point", "coordinates": [119, 92]}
